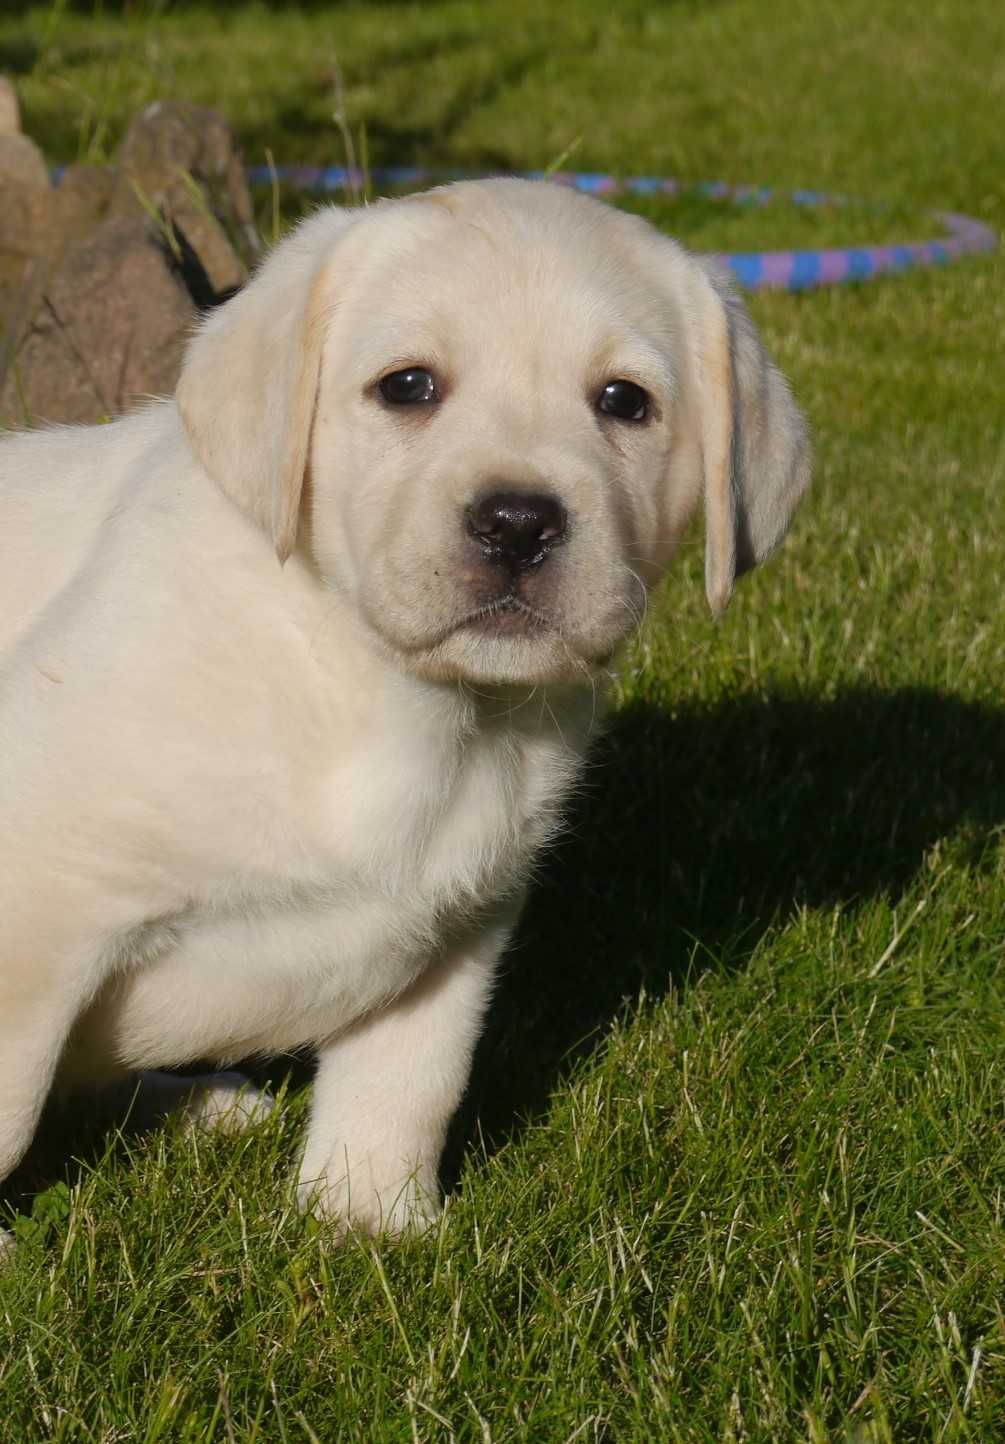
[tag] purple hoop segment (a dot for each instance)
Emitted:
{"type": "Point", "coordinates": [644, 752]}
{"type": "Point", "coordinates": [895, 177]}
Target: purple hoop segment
{"type": "Point", "coordinates": [755, 270]}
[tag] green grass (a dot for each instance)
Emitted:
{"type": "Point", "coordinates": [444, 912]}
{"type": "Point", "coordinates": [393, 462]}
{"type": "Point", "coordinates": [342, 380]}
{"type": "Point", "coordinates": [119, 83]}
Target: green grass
{"type": "Point", "coordinates": [706, 224]}
{"type": "Point", "coordinates": [700, 221]}
{"type": "Point", "coordinates": [733, 1161]}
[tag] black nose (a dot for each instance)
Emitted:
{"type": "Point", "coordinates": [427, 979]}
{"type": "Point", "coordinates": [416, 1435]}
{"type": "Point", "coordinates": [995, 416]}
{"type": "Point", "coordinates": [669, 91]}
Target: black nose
{"type": "Point", "coordinates": [517, 530]}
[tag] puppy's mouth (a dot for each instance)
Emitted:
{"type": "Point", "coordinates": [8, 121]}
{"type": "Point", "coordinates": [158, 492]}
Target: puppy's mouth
{"type": "Point", "coordinates": [504, 617]}
{"type": "Point", "coordinates": [504, 640]}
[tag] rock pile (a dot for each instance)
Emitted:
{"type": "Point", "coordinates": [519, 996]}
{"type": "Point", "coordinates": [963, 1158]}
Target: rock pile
{"type": "Point", "coordinates": [103, 274]}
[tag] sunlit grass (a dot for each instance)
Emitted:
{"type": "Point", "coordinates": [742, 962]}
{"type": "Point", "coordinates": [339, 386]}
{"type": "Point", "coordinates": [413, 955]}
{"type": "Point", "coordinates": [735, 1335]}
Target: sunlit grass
{"type": "Point", "coordinates": [732, 1166]}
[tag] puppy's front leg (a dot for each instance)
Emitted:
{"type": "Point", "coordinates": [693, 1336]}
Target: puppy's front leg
{"type": "Point", "coordinates": [46, 976]}
{"type": "Point", "coordinates": [37, 1011]}
{"type": "Point", "coordinates": [45, 981]}
{"type": "Point", "coordinates": [387, 1088]}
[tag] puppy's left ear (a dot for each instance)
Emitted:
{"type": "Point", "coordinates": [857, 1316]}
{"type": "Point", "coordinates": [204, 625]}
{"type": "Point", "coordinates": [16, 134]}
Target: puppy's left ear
{"type": "Point", "coordinates": [249, 382]}
{"type": "Point", "coordinates": [754, 441]}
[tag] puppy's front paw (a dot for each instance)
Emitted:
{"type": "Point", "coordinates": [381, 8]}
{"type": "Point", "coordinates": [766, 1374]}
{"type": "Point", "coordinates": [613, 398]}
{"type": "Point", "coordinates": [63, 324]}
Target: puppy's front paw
{"type": "Point", "coordinates": [226, 1101]}
{"type": "Point", "coordinates": [7, 1245]}
{"type": "Point", "coordinates": [355, 1202]}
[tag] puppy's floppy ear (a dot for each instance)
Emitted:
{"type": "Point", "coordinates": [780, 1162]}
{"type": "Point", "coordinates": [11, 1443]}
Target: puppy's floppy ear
{"type": "Point", "coordinates": [249, 381]}
{"type": "Point", "coordinates": [754, 442]}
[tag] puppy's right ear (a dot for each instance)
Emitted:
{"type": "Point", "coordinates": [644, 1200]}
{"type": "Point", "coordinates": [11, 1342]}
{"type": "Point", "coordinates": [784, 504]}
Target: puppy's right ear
{"type": "Point", "coordinates": [249, 382]}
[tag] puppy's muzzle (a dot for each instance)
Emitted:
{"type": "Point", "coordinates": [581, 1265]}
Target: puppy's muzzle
{"type": "Point", "coordinates": [515, 531]}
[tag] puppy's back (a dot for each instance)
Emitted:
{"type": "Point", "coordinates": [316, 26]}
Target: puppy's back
{"type": "Point", "coordinates": [57, 486]}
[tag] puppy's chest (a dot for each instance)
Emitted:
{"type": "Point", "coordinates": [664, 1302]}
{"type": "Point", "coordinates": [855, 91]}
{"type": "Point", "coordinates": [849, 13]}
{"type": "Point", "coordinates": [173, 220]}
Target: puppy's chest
{"type": "Point", "coordinates": [440, 824]}
{"type": "Point", "coordinates": [396, 842]}
{"type": "Point", "coordinates": [407, 851]}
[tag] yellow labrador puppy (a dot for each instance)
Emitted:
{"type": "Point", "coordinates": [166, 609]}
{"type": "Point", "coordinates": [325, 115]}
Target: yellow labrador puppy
{"type": "Point", "coordinates": [263, 781]}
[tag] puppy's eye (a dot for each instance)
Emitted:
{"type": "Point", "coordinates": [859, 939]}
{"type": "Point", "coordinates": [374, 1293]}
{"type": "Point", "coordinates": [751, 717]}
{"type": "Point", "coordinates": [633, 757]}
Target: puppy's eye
{"type": "Point", "coordinates": [624, 400]}
{"type": "Point", "coordinates": [415, 386]}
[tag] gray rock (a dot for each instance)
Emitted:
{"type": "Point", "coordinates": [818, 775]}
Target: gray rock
{"type": "Point", "coordinates": [30, 242]}
{"type": "Point", "coordinates": [102, 276]}
{"type": "Point", "coordinates": [109, 329]}
{"type": "Point", "coordinates": [85, 194]}
{"type": "Point", "coordinates": [38, 227]}
{"type": "Point", "coordinates": [28, 214]}
{"type": "Point", "coordinates": [21, 160]}
{"type": "Point", "coordinates": [182, 161]}
{"type": "Point", "coordinates": [46, 221]}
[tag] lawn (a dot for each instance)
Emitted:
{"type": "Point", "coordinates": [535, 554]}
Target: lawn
{"type": "Point", "coordinates": [732, 1166]}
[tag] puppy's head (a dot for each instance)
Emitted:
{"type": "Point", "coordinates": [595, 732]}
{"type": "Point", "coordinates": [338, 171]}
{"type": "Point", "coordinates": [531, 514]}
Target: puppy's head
{"type": "Point", "coordinates": [507, 400]}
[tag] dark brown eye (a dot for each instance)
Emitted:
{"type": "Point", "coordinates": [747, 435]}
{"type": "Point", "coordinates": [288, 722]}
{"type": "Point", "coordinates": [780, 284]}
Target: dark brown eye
{"type": "Point", "coordinates": [415, 386]}
{"type": "Point", "coordinates": [624, 400]}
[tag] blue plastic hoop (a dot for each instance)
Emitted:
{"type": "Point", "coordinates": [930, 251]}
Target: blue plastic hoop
{"type": "Point", "coordinates": [755, 270]}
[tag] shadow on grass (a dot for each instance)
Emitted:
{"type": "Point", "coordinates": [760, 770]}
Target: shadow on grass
{"type": "Point", "coordinates": [695, 833]}
{"type": "Point", "coordinates": [400, 138]}
{"type": "Point", "coordinates": [699, 831]}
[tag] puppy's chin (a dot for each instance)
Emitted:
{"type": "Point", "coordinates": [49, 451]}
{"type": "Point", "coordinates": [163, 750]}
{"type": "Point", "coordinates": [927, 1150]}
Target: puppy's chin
{"type": "Point", "coordinates": [493, 658]}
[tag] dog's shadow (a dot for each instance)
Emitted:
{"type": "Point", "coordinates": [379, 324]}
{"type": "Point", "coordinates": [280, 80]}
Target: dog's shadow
{"type": "Point", "coordinates": [695, 831]}
{"type": "Point", "coordinates": [699, 830]}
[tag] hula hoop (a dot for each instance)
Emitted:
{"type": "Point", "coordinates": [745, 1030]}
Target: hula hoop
{"type": "Point", "coordinates": [754, 270]}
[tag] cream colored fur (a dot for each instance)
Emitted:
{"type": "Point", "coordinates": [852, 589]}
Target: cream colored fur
{"type": "Point", "coordinates": [263, 783]}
